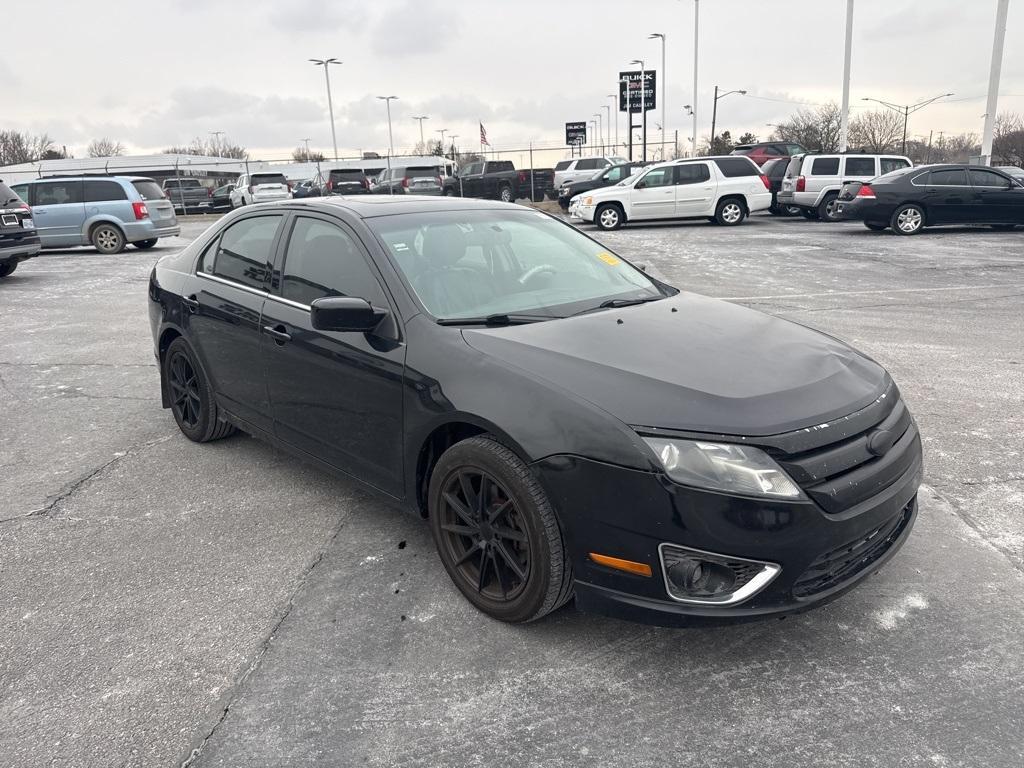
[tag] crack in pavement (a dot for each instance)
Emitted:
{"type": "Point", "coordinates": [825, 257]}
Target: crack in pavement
{"type": "Point", "coordinates": [994, 480]}
{"type": "Point", "coordinates": [74, 486]}
{"type": "Point", "coordinates": [233, 693]}
{"type": "Point", "coordinates": [974, 525]}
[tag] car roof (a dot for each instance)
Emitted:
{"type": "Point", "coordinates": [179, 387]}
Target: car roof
{"type": "Point", "coordinates": [371, 206]}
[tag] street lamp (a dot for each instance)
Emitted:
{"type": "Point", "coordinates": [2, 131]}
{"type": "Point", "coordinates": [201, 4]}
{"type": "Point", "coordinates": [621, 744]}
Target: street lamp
{"type": "Point", "coordinates": [608, 126]}
{"type": "Point", "coordinates": [216, 141]}
{"type": "Point", "coordinates": [391, 139]}
{"type": "Point", "coordinates": [696, 39]}
{"type": "Point", "coordinates": [643, 105]}
{"type": "Point", "coordinates": [714, 112]}
{"type": "Point", "coordinates": [652, 36]}
{"type": "Point", "coordinates": [326, 64]}
{"type": "Point", "coordinates": [442, 132]}
{"type": "Point", "coordinates": [306, 140]}
{"type": "Point", "coordinates": [452, 138]}
{"type": "Point", "coordinates": [907, 110]}
{"type": "Point", "coordinates": [421, 118]}
{"type": "Point", "coordinates": [600, 127]}
{"type": "Point", "coordinates": [615, 110]}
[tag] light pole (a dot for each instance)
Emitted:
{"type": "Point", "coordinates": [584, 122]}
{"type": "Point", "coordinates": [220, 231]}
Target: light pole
{"type": "Point", "coordinates": [995, 69]}
{"type": "Point", "coordinates": [608, 126]}
{"type": "Point", "coordinates": [714, 113]}
{"type": "Point", "coordinates": [326, 64]}
{"type": "Point", "coordinates": [593, 127]}
{"type": "Point", "coordinates": [391, 140]}
{"type": "Point", "coordinates": [696, 28]}
{"type": "Point", "coordinates": [600, 128]}
{"type": "Point", "coordinates": [615, 111]}
{"type": "Point", "coordinates": [306, 140]}
{"type": "Point", "coordinates": [907, 110]}
{"type": "Point", "coordinates": [442, 131]}
{"type": "Point", "coordinates": [629, 115]}
{"type": "Point", "coordinates": [844, 115]}
{"type": "Point", "coordinates": [452, 138]}
{"type": "Point", "coordinates": [216, 141]}
{"type": "Point", "coordinates": [421, 118]}
{"type": "Point", "coordinates": [643, 105]}
{"type": "Point", "coordinates": [652, 36]}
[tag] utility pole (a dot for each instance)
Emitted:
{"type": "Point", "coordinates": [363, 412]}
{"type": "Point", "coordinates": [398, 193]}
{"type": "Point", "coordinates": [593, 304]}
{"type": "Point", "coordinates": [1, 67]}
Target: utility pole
{"type": "Point", "coordinates": [844, 118]}
{"type": "Point", "coordinates": [421, 118]}
{"type": "Point", "coordinates": [600, 134]}
{"type": "Point", "coordinates": [326, 64]}
{"type": "Point", "coordinates": [664, 78]}
{"type": "Point", "coordinates": [442, 132]}
{"type": "Point", "coordinates": [696, 30]}
{"type": "Point", "coordinates": [993, 82]}
{"type": "Point", "coordinates": [216, 141]}
{"type": "Point", "coordinates": [629, 116]}
{"type": "Point", "coordinates": [306, 140]}
{"type": "Point", "coordinates": [714, 116]}
{"type": "Point", "coordinates": [614, 115]}
{"type": "Point", "coordinates": [907, 110]}
{"type": "Point", "coordinates": [643, 106]}
{"type": "Point", "coordinates": [391, 138]}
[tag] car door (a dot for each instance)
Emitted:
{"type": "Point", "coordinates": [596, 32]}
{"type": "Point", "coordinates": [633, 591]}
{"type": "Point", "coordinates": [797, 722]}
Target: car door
{"type": "Point", "coordinates": [469, 181]}
{"type": "Point", "coordinates": [948, 196]}
{"type": "Point", "coordinates": [695, 190]}
{"type": "Point", "coordinates": [998, 199]}
{"type": "Point", "coordinates": [337, 396]}
{"type": "Point", "coordinates": [654, 194]}
{"type": "Point", "coordinates": [58, 211]}
{"type": "Point", "coordinates": [225, 303]}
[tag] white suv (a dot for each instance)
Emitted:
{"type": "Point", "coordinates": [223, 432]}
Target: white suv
{"type": "Point", "coordinates": [581, 169]}
{"type": "Point", "coordinates": [723, 189]}
{"type": "Point", "coordinates": [260, 187]}
{"type": "Point", "coordinates": [812, 182]}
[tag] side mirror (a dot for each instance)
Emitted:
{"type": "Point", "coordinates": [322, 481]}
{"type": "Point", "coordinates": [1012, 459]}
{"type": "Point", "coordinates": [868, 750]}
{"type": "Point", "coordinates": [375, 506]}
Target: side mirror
{"type": "Point", "coordinates": [345, 314]}
{"type": "Point", "coordinates": [641, 184]}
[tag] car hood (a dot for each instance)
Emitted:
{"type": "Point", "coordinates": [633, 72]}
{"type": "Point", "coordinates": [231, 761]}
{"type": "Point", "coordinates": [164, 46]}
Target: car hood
{"type": "Point", "coordinates": [693, 363]}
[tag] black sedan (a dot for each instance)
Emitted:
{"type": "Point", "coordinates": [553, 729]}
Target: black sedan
{"type": "Point", "coordinates": [603, 178]}
{"type": "Point", "coordinates": [220, 199]}
{"type": "Point", "coordinates": [910, 199]}
{"type": "Point", "coordinates": [568, 424]}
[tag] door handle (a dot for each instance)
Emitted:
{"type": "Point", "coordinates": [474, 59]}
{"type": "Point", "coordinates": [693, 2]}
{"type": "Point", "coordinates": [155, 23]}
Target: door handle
{"type": "Point", "coordinates": [277, 333]}
{"type": "Point", "coordinates": [191, 302]}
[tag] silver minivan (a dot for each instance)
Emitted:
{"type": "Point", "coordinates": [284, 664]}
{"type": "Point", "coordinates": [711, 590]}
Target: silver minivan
{"type": "Point", "coordinates": [107, 212]}
{"type": "Point", "coordinates": [812, 182]}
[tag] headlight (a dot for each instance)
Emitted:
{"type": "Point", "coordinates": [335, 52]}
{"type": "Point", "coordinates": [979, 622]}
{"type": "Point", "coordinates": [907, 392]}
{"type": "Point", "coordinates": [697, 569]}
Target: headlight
{"type": "Point", "coordinates": [725, 467]}
{"type": "Point", "coordinates": [588, 201]}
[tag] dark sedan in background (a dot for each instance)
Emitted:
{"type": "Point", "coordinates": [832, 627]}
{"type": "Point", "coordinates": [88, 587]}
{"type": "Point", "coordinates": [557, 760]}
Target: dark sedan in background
{"type": "Point", "coordinates": [603, 178]}
{"type": "Point", "coordinates": [220, 199]}
{"type": "Point", "coordinates": [910, 199]}
{"type": "Point", "coordinates": [568, 424]}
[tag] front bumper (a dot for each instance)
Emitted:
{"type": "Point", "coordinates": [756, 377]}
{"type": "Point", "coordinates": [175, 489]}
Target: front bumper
{"type": "Point", "coordinates": [627, 513]}
{"type": "Point", "coordinates": [582, 212]}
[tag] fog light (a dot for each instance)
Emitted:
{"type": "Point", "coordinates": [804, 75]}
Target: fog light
{"type": "Point", "coordinates": [707, 578]}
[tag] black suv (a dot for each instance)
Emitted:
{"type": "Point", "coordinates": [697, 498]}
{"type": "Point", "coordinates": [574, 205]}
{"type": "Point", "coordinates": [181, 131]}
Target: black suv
{"type": "Point", "coordinates": [18, 238]}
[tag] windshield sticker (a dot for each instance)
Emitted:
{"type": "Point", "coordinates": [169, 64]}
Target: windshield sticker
{"type": "Point", "coordinates": [607, 258]}
{"type": "Point", "coordinates": [400, 247]}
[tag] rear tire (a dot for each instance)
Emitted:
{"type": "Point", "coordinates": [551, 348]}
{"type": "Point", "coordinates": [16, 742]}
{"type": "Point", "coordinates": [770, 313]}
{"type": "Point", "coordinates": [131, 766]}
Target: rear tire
{"type": "Point", "coordinates": [107, 239]}
{"type": "Point", "coordinates": [827, 208]}
{"type": "Point", "coordinates": [505, 194]}
{"type": "Point", "coordinates": [496, 533]}
{"type": "Point", "coordinates": [8, 268]}
{"type": "Point", "coordinates": [193, 402]}
{"type": "Point", "coordinates": [144, 244]}
{"type": "Point", "coordinates": [729, 212]}
{"type": "Point", "coordinates": [908, 219]}
{"type": "Point", "coordinates": [608, 217]}
{"type": "Point", "coordinates": [811, 214]}
{"type": "Point", "coordinates": [875, 226]}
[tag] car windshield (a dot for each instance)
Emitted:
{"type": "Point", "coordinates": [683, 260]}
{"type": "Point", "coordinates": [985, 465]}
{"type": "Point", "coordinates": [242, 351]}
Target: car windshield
{"type": "Point", "coordinates": [347, 175]}
{"type": "Point", "coordinates": [476, 264]}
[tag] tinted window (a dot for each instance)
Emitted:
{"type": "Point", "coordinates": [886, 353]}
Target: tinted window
{"type": "Point", "coordinates": [742, 149]}
{"type": "Point", "coordinates": [775, 169]}
{"type": "Point", "coordinates": [793, 169]}
{"type": "Point", "coordinates": [983, 178]}
{"type": "Point", "coordinates": [860, 166]}
{"type": "Point", "coordinates": [58, 192]}
{"type": "Point", "coordinates": [825, 166]}
{"type": "Point", "coordinates": [322, 260]}
{"type": "Point", "coordinates": [795, 149]}
{"type": "Point", "coordinates": [346, 174]}
{"type": "Point", "coordinates": [471, 169]}
{"type": "Point", "coordinates": [495, 166]}
{"type": "Point", "coordinates": [772, 151]}
{"type": "Point", "coordinates": [268, 178]}
{"type": "Point", "coordinates": [590, 164]}
{"type": "Point", "coordinates": [692, 173]}
{"type": "Point", "coordinates": [658, 177]}
{"type": "Point", "coordinates": [890, 164]}
{"type": "Point", "coordinates": [7, 195]}
{"type": "Point", "coordinates": [243, 252]}
{"type": "Point", "coordinates": [420, 172]}
{"type": "Point", "coordinates": [148, 190]}
{"type": "Point", "coordinates": [100, 191]}
{"type": "Point", "coordinates": [954, 177]}
{"type": "Point", "coordinates": [561, 165]}
{"type": "Point", "coordinates": [737, 166]}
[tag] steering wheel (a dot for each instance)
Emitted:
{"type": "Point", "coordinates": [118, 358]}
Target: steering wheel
{"type": "Point", "coordinates": [532, 272]}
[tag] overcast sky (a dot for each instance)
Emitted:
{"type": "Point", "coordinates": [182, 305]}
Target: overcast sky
{"type": "Point", "coordinates": [159, 73]}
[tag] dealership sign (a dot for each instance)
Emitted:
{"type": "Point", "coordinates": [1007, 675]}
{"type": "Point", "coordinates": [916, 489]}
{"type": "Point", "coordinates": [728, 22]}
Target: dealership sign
{"type": "Point", "coordinates": [576, 133]}
{"type": "Point", "coordinates": [630, 94]}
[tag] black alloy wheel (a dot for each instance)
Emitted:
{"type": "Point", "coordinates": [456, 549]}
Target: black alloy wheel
{"type": "Point", "coordinates": [183, 384]}
{"type": "Point", "coordinates": [495, 532]}
{"type": "Point", "coordinates": [191, 396]}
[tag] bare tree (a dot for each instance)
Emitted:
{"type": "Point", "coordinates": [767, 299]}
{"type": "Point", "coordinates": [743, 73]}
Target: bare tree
{"type": "Point", "coordinates": [1008, 139]}
{"type": "Point", "coordinates": [18, 147]}
{"type": "Point", "coordinates": [878, 130]}
{"type": "Point", "coordinates": [300, 155]}
{"type": "Point", "coordinates": [223, 148]}
{"type": "Point", "coordinates": [816, 129]}
{"type": "Point", "coordinates": [105, 148]}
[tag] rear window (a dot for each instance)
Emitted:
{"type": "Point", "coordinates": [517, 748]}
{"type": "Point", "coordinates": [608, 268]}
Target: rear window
{"type": "Point", "coordinates": [825, 166]}
{"type": "Point", "coordinates": [148, 190]}
{"type": "Point", "coordinates": [742, 149]}
{"type": "Point", "coordinates": [177, 183]}
{"type": "Point", "coordinates": [591, 164]}
{"type": "Point", "coordinates": [775, 169]}
{"type": "Point", "coordinates": [736, 166]}
{"type": "Point", "coordinates": [793, 169]}
{"type": "Point", "coordinates": [347, 174]}
{"type": "Point", "coordinates": [561, 165]}
{"type": "Point", "coordinates": [268, 178]}
{"type": "Point", "coordinates": [7, 195]}
{"type": "Point", "coordinates": [495, 166]}
{"type": "Point", "coordinates": [421, 171]}
{"type": "Point", "coordinates": [97, 191]}
{"type": "Point", "coordinates": [860, 166]}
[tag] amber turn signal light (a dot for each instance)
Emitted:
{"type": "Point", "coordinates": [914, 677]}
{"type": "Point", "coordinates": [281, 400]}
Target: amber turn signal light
{"type": "Point", "coordinates": [640, 569]}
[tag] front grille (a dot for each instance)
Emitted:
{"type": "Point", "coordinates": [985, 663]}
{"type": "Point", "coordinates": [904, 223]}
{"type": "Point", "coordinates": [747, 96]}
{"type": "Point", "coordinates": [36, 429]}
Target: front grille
{"type": "Point", "coordinates": [838, 565]}
{"type": "Point", "coordinates": [840, 475]}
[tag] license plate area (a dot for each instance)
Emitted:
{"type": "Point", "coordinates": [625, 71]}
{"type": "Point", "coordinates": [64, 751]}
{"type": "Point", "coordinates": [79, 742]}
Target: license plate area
{"type": "Point", "coordinates": [10, 220]}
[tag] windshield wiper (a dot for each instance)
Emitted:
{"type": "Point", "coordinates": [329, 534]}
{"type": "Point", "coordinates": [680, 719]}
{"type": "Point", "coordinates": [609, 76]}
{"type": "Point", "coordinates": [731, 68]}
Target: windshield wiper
{"type": "Point", "coordinates": [616, 303]}
{"type": "Point", "coordinates": [496, 319]}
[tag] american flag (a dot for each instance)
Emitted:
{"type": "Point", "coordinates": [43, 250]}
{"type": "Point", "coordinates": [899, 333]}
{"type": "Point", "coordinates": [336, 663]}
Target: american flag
{"type": "Point", "coordinates": [483, 135]}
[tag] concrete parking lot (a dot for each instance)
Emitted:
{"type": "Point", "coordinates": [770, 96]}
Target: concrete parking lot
{"type": "Point", "coordinates": [227, 605]}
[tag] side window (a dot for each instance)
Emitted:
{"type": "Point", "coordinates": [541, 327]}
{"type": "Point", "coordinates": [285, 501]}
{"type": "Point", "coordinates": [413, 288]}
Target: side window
{"type": "Point", "coordinates": [561, 165]}
{"type": "Point", "coordinates": [323, 260]}
{"type": "Point", "coordinates": [591, 164]}
{"type": "Point", "coordinates": [772, 151]}
{"type": "Point", "coordinates": [242, 254]}
{"type": "Point", "coordinates": [615, 174]}
{"type": "Point", "coordinates": [58, 193]}
{"type": "Point", "coordinates": [890, 164]}
{"type": "Point", "coordinates": [825, 166]}
{"type": "Point", "coordinates": [692, 173]}
{"type": "Point", "coordinates": [658, 177]}
{"type": "Point", "coordinates": [952, 177]}
{"type": "Point", "coordinates": [99, 191]}
{"type": "Point", "coordinates": [860, 166]}
{"type": "Point", "coordinates": [983, 178]}
{"type": "Point", "coordinates": [21, 190]}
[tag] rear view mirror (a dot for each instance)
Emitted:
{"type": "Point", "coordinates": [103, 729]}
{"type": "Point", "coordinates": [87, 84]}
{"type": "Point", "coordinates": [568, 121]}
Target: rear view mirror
{"type": "Point", "coordinates": [345, 314]}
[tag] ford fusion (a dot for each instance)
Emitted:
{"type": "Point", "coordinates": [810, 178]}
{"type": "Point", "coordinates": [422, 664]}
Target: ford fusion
{"type": "Point", "coordinates": [570, 426]}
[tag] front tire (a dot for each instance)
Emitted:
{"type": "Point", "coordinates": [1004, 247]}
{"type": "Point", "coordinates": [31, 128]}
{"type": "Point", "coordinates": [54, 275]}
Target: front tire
{"type": "Point", "coordinates": [908, 219]}
{"type": "Point", "coordinates": [505, 194]}
{"type": "Point", "coordinates": [192, 398]}
{"type": "Point", "coordinates": [496, 533]}
{"type": "Point", "coordinates": [144, 244]}
{"type": "Point", "coordinates": [729, 212]}
{"type": "Point", "coordinates": [608, 217]}
{"type": "Point", "coordinates": [108, 239]}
